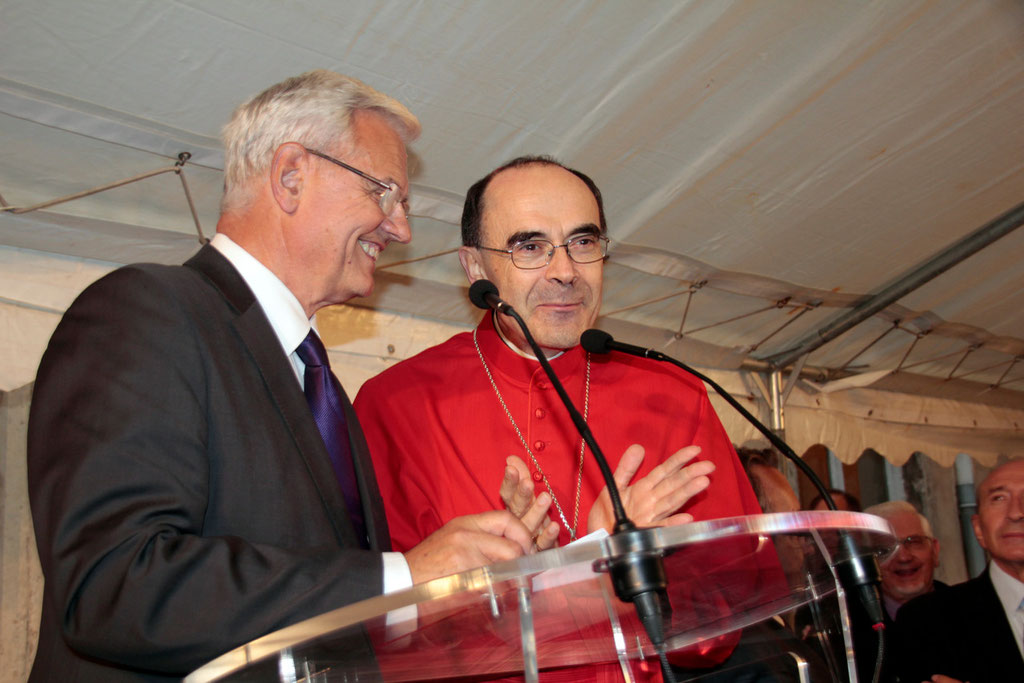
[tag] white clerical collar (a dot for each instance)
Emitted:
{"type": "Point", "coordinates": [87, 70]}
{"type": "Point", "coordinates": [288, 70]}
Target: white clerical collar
{"type": "Point", "coordinates": [519, 351]}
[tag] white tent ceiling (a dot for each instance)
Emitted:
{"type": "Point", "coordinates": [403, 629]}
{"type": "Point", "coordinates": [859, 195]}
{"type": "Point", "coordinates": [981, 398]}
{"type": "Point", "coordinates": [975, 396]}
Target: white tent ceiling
{"type": "Point", "coordinates": [807, 152]}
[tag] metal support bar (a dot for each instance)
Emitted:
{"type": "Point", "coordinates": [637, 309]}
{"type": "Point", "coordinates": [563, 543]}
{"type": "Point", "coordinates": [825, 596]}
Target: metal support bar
{"type": "Point", "coordinates": [182, 158]}
{"type": "Point", "coordinates": [395, 264]}
{"type": "Point", "coordinates": [836, 477]}
{"type": "Point", "coordinates": [932, 359]}
{"type": "Point", "coordinates": [1003, 376]}
{"type": "Point", "coordinates": [877, 339]}
{"type": "Point", "coordinates": [970, 349]}
{"type": "Point", "coordinates": [761, 386]}
{"type": "Point", "coordinates": [936, 265]}
{"type": "Point", "coordinates": [906, 355]}
{"type": "Point", "coordinates": [686, 311]}
{"type": "Point", "coordinates": [784, 325]}
{"type": "Point", "coordinates": [968, 506]}
{"type": "Point", "coordinates": [778, 409]}
{"type": "Point", "coordinates": [86, 193]}
{"type": "Point", "coordinates": [794, 376]}
{"type": "Point", "coordinates": [730, 320]}
{"type": "Point", "coordinates": [645, 302]}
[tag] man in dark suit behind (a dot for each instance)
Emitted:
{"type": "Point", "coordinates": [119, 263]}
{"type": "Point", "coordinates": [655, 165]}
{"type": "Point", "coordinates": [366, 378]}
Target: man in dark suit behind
{"type": "Point", "coordinates": [183, 498]}
{"type": "Point", "coordinates": [974, 631]}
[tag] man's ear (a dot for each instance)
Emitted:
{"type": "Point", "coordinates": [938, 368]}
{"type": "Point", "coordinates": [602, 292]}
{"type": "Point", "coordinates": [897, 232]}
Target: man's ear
{"type": "Point", "coordinates": [288, 175]}
{"type": "Point", "coordinates": [976, 523]}
{"type": "Point", "coordinates": [470, 258]}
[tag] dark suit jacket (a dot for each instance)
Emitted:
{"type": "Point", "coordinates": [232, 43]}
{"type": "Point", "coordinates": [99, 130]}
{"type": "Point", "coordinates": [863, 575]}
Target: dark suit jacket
{"type": "Point", "coordinates": [960, 632]}
{"type": "Point", "coordinates": [865, 639]}
{"type": "Point", "coordinates": [183, 500]}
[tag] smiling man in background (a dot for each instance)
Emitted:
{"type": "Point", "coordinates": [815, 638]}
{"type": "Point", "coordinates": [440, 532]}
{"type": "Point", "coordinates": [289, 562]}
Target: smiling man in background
{"type": "Point", "coordinates": [974, 631]}
{"type": "Point", "coordinates": [908, 572]}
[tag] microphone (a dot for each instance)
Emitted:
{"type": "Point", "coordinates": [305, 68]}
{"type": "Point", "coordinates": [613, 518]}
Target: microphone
{"type": "Point", "coordinates": [860, 571]}
{"type": "Point", "coordinates": [637, 570]}
{"type": "Point", "coordinates": [599, 341]}
{"type": "Point", "coordinates": [484, 294]}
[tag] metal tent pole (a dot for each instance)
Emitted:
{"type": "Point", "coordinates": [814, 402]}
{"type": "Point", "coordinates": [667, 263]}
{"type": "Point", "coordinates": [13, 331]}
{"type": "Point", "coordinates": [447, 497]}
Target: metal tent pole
{"type": "Point", "coordinates": [941, 262]}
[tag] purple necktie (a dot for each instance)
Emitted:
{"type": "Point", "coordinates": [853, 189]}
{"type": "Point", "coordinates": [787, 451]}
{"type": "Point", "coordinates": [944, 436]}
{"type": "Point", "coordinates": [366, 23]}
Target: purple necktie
{"type": "Point", "coordinates": [323, 393]}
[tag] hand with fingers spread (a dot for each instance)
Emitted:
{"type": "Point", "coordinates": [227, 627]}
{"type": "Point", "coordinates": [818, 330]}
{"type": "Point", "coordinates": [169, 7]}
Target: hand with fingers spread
{"type": "Point", "coordinates": [517, 494]}
{"type": "Point", "coordinates": [468, 542]}
{"type": "Point", "coordinates": [654, 499]}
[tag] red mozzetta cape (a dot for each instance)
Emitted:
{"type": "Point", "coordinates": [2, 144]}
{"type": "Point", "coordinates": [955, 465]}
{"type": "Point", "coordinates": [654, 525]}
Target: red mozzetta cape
{"type": "Point", "coordinates": [439, 437]}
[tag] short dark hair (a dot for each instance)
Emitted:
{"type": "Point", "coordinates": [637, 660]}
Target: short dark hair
{"type": "Point", "coordinates": [473, 209]}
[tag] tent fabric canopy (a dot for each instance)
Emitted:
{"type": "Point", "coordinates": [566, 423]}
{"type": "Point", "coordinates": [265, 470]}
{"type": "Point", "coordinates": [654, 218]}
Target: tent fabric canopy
{"type": "Point", "coordinates": [765, 166]}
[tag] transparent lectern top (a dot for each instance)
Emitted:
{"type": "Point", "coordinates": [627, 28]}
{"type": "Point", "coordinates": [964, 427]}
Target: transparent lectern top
{"type": "Point", "coordinates": [558, 609]}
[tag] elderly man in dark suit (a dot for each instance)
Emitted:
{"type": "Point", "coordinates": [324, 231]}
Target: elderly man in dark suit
{"type": "Point", "coordinates": [197, 476]}
{"type": "Point", "coordinates": [974, 631]}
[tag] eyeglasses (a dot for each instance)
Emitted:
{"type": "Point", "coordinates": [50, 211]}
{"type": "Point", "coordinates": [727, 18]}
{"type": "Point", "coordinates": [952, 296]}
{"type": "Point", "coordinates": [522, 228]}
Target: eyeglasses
{"type": "Point", "coordinates": [915, 542]}
{"type": "Point", "coordinates": [537, 253]}
{"type": "Point", "coordinates": [388, 198]}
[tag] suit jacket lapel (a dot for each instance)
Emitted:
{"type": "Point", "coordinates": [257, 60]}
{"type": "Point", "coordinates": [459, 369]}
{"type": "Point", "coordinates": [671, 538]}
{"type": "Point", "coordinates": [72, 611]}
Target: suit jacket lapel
{"type": "Point", "coordinates": [256, 333]}
{"type": "Point", "coordinates": [997, 636]}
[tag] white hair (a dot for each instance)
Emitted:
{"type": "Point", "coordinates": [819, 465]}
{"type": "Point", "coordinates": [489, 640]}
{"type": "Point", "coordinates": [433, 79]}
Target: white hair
{"type": "Point", "coordinates": [313, 109]}
{"type": "Point", "coordinates": [894, 507]}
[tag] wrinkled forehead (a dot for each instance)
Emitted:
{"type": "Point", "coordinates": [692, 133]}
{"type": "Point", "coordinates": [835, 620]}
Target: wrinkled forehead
{"type": "Point", "coordinates": [1008, 477]}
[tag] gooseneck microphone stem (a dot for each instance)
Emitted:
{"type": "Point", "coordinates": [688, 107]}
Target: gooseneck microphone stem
{"type": "Point", "coordinates": [622, 521]}
{"type": "Point", "coordinates": [484, 295]}
{"type": "Point", "coordinates": [598, 341]}
{"type": "Point", "coordinates": [637, 570]}
{"type": "Point", "coordinates": [859, 572]}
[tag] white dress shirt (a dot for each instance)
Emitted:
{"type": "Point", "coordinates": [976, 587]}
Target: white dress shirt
{"type": "Point", "coordinates": [1011, 594]}
{"type": "Point", "coordinates": [289, 322]}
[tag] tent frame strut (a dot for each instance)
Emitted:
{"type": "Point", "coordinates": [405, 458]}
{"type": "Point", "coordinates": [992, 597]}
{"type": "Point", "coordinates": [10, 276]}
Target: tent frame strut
{"type": "Point", "coordinates": [919, 275]}
{"type": "Point", "coordinates": [178, 169]}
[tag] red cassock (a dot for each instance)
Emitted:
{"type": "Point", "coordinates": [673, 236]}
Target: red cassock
{"type": "Point", "coordinates": [439, 435]}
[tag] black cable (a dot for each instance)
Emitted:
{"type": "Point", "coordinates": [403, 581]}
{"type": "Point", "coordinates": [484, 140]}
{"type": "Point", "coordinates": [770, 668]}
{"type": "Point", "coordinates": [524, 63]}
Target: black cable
{"type": "Point", "coordinates": [636, 568]}
{"type": "Point", "coordinates": [859, 571]}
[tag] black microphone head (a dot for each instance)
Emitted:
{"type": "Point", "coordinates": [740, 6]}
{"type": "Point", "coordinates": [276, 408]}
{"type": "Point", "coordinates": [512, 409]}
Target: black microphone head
{"type": "Point", "coordinates": [595, 341]}
{"type": "Point", "coordinates": [478, 292]}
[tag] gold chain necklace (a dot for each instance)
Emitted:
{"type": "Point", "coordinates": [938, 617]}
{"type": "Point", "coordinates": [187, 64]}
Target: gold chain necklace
{"type": "Point", "coordinates": [544, 477]}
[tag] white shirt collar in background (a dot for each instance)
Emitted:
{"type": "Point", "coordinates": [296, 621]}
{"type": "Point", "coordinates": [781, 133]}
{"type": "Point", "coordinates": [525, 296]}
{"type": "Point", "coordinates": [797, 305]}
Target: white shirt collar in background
{"type": "Point", "coordinates": [1010, 592]}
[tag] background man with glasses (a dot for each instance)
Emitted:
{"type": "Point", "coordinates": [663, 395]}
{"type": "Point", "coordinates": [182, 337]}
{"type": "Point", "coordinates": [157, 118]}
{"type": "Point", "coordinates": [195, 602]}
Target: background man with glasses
{"type": "Point", "coordinates": [449, 424]}
{"type": "Point", "coordinates": [908, 572]}
{"type": "Point", "coordinates": [197, 476]}
{"type": "Point", "coordinates": [973, 632]}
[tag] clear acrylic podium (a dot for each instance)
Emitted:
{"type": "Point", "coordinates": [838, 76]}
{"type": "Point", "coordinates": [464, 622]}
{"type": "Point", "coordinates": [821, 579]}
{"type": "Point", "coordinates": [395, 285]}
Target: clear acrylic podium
{"type": "Point", "coordinates": [754, 591]}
